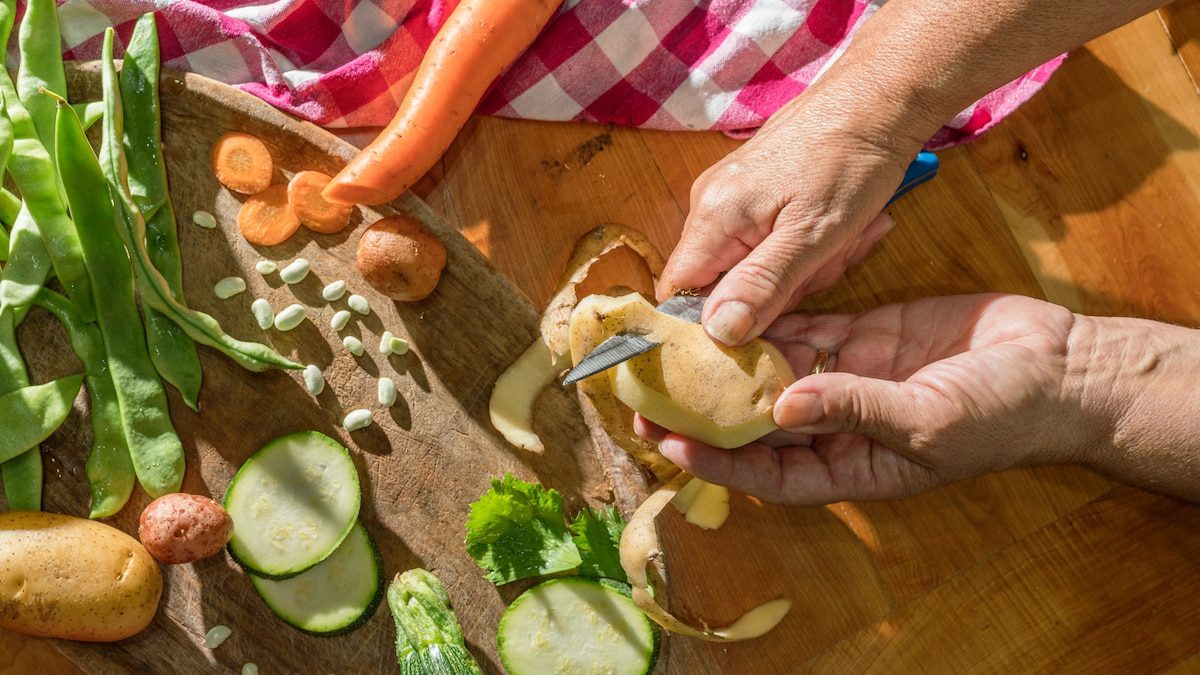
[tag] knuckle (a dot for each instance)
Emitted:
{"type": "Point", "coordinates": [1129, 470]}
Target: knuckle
{"type": "Point", "coordinates": [764, 280]}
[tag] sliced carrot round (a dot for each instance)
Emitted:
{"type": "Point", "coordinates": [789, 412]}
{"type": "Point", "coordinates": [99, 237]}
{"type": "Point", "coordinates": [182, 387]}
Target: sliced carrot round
{"type": "Point", "coordinates": [267, 219]}
{"type": "Point", "coordinates": [315, 212]}
{"type": "Point", "coordinates": [242, 163]}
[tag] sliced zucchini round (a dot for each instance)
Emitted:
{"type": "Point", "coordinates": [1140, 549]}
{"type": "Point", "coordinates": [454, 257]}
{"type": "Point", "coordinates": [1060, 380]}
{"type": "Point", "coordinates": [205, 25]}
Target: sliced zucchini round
{"type": "Point", "coordinates": [292, 504]}
{"type": "Point", "coordinates": [336, 596]}
{"type": "Point", "coordinates": [577, 625]}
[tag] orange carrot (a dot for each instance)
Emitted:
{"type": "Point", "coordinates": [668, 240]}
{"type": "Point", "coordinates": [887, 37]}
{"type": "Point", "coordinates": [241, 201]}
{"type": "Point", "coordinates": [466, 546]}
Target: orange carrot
{"type": "Point", "coordinates": [267, 218]}
{"type": "Point", "coordinates": [314, 212]}
{"type": "Point", "coordinates": [242, 163]}
{"type": "Point", "coordinates": [478, 41]}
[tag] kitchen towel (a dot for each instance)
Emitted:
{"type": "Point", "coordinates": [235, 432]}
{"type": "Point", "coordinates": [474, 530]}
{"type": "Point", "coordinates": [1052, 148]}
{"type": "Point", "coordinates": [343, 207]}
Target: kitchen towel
{"type": "Point", "coordinates": [662, 64]}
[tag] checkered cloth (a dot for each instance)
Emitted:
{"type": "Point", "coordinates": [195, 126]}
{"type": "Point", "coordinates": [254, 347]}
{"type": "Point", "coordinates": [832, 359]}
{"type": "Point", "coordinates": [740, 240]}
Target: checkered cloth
{"type": "Point", "coordinates": [663, 64]}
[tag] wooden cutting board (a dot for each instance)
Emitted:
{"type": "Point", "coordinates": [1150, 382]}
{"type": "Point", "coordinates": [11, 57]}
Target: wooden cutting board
{"type": "Point", "coordinates": [421, 463]}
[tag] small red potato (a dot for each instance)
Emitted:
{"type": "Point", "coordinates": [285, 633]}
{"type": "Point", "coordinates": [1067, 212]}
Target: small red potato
{"type": "Point", "coordinates": [182, 528]}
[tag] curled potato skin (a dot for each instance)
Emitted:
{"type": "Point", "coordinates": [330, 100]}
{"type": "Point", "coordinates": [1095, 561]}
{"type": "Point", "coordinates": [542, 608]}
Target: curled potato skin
{"type": "Point", "coordinates": [182, 528]}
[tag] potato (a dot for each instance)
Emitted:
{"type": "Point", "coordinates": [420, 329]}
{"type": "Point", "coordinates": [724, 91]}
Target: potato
{"type": "Point", "coordinates": [400, 258]}
{"type": "Point", "coordinates": [691, 385]}
{"type": "Point", "coordinates": [183, 528]}
{"type": "Point", "coordinates": [75, 579]}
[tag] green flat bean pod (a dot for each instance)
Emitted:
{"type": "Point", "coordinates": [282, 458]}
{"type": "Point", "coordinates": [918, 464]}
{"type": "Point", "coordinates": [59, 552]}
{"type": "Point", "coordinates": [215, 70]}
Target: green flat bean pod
{"type": "Point", "coordinates": [41, 67]}
{"type": "Point", "coordinates": [22, 475]}
{"type": "Point", "coordinates": [153, 287]}
{"type": "Point", "coordinates": [28, 264]}
{"type": "Point", "coordinates": [173, 352]}
{"type": "Point", "coordinates": [33, 172]}
{"type": "Point", "coordinates": [10, 204]}
{"type": "Point", "coordinates": [110, 471]}
{"type": "Point", "coordinates": [154, 447]}
{"type": "Point", "coordinates": [32, 413]}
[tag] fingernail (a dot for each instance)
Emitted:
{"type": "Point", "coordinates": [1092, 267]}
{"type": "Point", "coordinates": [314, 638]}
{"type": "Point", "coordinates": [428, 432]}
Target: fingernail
{"type": "Point", "coordinates": [795, 412]}
{"type": "Point", "coordinates": [730, 323]}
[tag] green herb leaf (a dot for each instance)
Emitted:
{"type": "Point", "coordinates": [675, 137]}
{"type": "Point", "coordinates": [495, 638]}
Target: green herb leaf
{"type": "Point", "coordinates": [518, 530]}
{"type": "Point", "coordinates": [597, 535]}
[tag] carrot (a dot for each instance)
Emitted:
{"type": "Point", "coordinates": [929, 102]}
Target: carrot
{"type": "Point", "coordinates": [478, 41]}
{"type": "Point", "coordinates": [314, 212]}
{"type": "Point", "coordinates": [242, 163]}
{"type": "Point", "coordinates": [267, 218]}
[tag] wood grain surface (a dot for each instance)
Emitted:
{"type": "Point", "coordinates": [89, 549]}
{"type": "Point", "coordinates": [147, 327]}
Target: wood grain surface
{"type": "Point", "coordinates": [1088, 196]}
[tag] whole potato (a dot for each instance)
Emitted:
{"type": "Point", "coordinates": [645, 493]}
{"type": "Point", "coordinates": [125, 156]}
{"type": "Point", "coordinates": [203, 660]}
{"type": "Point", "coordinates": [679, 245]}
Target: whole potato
{"type": "Point", "coordinates": [400, 258]}
{"type": "Point", "coordinates": [183, 528]}
{"type": "Point", "coordinates": [76, 579]}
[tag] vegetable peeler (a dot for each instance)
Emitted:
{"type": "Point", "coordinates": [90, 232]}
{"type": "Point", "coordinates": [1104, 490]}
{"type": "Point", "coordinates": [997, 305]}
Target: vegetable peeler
{"type": "Point", "coordinates": [625, 346]}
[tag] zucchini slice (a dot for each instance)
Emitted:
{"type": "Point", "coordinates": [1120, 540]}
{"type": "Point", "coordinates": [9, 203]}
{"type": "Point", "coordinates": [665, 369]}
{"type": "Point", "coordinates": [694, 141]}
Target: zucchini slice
{"type": "Point", "coordinates": [292, 503]}
{"type": "Point", "coordinates": [577, 625]}
{"type": "Point", "coordinates": [336, 596]}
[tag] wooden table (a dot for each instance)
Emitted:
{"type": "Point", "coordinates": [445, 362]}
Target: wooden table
{"type": "Point", "coordinates": [1090, 197]}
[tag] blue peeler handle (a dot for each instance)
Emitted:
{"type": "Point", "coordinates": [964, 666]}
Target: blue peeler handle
{"type": "Point", "coordinates": [922, 170]}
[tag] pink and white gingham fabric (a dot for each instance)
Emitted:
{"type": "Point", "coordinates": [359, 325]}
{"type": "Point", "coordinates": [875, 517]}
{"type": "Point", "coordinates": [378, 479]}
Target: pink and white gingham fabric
{"type": "Point", "coordinates": [663, 64]}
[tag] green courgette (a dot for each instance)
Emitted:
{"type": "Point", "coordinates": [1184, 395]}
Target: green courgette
{"type": "Point", "coordinates": [580, 626]}
{"type": "Point", "coordinates": [429, 640]}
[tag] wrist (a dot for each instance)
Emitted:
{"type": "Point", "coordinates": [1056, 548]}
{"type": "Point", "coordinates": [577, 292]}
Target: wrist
{"type": "Point", "coordinates": [1134, 383]}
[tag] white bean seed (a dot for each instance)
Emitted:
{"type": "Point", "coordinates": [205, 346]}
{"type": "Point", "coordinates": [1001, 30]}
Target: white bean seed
{"type": "Point", "coordinates": [265, 267]}
{"type": "Point", "coordinates": [359, 304]}
{"type": "Point", "coordinates": [334, 290]}
{"type": "Point", "coordinates": [398, 347]}
{"type": "Point", "coordinates": [290, 318]}
{"type": "Point", "coordinates": [263, 313]}
{"type": "Point", "coordinates": [216, 635]}
{"type": "Point", "coordinates": [340, 319]}
{"type": "Point", "coordinates": [353, 345]}
{"type": "Point", "coordinates": [204, 219]}
{"type": "Point", "coordinates": [295, 272]}
{"type": "Point", "coordinates": [314, 380]}
{"type": "Point", "coordinates": [358, 419]}
{"type": "Point", "coordinates": [250, 669]}
{"type": "Point", "coordinates": [385, 342]}
{"type": "Point", "coordinates": [229, 287]}
{"type": "Point", "coordinates": [387, 392]}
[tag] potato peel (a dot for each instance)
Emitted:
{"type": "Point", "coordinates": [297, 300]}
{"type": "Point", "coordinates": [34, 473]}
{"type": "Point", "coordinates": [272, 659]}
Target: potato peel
{"type": "Point", "coordinates": [640, 547]}
{"type": "Point", "coordinates": [516, 390]}
{"type": "Point", "coordinates": [591, 247]}
{"type": "Point", "coordinates": [513, 398]}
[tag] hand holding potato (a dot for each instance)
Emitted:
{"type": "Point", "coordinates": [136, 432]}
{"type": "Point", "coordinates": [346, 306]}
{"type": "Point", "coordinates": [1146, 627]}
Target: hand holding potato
{"type": "Point", "coordinates": [942, 389]}
{"type": "Point", "coordinates": [785, 214]}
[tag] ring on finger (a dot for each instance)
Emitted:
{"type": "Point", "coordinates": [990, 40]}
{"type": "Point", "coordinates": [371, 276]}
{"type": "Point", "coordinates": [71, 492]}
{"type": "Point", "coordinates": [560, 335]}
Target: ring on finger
{"type": "Point", "coordinates": [821, 363]}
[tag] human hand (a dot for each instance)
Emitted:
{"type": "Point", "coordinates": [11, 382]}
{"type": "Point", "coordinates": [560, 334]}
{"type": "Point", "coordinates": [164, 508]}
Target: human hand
{"type": "Point", "coordinates": [785, 214]}
{"type": "Point", "coordinates": [925, 393]}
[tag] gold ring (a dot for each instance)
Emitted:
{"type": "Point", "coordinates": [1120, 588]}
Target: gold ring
{"type": "Point", "coordinates": [820, 363]}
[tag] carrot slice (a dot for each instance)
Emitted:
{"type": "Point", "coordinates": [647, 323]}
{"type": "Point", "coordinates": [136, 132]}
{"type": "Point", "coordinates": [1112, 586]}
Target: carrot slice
{"type": "Point", "coordinates": [314, 211]}
{"type": "Point", "coordinates": [242, 163]}
{"type": "Point", "coordinates": [267, 218]}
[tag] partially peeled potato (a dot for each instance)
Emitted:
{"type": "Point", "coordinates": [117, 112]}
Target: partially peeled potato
{"type": "Point", "coordinates": [722, 396]}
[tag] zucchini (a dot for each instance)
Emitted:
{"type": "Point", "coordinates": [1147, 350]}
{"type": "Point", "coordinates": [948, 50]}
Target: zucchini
{"type": "Point", "coordinates": [429, 640]}
{"type": "Point", "coordinates": [577, 625]}
{"type": "Point", "coordinates": [292, 503]}
{"type": "Point", "coordinates": [336, 596]}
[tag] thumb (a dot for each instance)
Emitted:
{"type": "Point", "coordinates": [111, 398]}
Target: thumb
{"type": "Point", "coordinates": [758, 289]}
{"type": "Point", "coordinates": [844, 403]}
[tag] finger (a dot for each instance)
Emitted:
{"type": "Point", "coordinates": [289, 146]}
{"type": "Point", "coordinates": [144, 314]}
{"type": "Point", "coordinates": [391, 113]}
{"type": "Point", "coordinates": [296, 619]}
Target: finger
{"type": "Point", "coordinates": [792, 475]}
{"type": "Point", "coordinates": [647, 429]}
{"type": "Point", "coordinates": [854, 252]}
{"type": "Point", "coordinates": [759, 288]}
{"type": "Point", "coordinates": [842, 402]}
{"type": "Point", "coordinates": [877, 229]}
{"type": "Point", "coordinates": [716, 235]}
